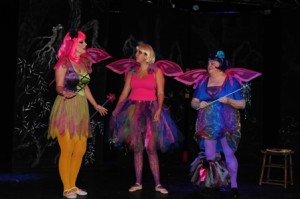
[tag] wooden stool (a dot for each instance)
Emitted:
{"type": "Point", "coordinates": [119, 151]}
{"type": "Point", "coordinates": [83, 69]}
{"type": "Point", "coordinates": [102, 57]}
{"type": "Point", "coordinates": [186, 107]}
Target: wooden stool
{"type": "Point", "coordinates": [286, 165]}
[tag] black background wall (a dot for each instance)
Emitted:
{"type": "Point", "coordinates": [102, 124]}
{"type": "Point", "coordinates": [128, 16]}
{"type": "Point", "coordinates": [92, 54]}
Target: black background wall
{"type": "Point", "coordinates": [259, 37]}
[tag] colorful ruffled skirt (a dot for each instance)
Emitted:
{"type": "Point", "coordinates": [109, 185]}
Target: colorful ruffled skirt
{"type": "Point", "coordinates": [134, 119]}
{"type": "Point", "coordinates": [69, 116]}
{"type": "Point", "coordinates": [216, 121]}
{"type": "Point", "coordinates": [209, 174]}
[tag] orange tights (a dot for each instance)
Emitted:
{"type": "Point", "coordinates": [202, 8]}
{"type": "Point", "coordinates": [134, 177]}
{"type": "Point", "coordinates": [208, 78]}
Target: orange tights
{"type": "Point", "coordinates": [71, 154]}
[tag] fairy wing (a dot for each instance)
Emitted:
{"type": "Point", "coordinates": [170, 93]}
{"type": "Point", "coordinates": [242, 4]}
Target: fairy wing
{"type": "Point", "coordinates": [195, 77]}
{"type": "Point", "coordinates": [122, 66]}
{"type": "Point", "coordinates": [242, 74]}
{"type": "Point", "coordinates": [169, 68]}
{"type": "Point", "coordinates": [96, 55]}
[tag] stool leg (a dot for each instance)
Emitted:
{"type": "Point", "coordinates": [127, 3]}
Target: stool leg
{"type": "Point", "coordinates": [262, 169]}
{"type": "Point", "coordinates": [285, 170]}
{"type": "Point", "coordinates": [291, 169]}
{"type": "Point", "coordinates": [269, 168]}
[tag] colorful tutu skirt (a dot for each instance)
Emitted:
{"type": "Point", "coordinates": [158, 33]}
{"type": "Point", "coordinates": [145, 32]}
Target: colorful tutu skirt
{"type": "Point", "coordinates": [216, 121]}
{"type": "Point", "coordinates": [209, 174]}
{"type": "Point", "coordinates": [134, 120]}
{"type": "Point", "coordinates": [69, 116]}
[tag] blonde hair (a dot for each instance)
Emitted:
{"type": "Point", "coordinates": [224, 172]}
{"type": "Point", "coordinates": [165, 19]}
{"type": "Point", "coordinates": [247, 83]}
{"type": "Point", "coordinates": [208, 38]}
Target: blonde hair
{"type": "Point", "coordinates": [148, 50]}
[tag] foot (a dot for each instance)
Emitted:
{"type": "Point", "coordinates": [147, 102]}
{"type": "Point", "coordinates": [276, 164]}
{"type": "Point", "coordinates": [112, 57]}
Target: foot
{"type": "Point", "coordinates": [69, 194]}
{"type": "Point", "coordinates": [234, 193]}
{"type": "Point", "coordinates": [78, 191]}
{"type": "Point", "coordinates": [135, 187]}
{"type": "Point", "coordinates": [161, 189]}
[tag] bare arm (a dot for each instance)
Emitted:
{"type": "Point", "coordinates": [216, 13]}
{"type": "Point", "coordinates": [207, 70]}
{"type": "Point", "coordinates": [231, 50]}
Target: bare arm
{"type": "Point", "coordinates": [60, 74]}
{"type": "Point", "coordinates": [160, 82]}
{"type": "Point", "coordinates": [238, 104]}
{"type": "Point", "coordinates": [126, 89]}
{"type": "Point", "coordinates": [89, 96]}
{"type": "Point", "coordinates": [125, 92]}
{"type": "Point", "coordinates": [196, 104]}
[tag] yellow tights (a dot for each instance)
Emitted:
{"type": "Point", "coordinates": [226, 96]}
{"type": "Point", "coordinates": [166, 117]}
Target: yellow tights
{"type": "Point", "coordinates": [71, 154]}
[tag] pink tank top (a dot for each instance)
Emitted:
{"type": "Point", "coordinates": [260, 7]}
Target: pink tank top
{"type": "Point", "coordinates": [143, 89]}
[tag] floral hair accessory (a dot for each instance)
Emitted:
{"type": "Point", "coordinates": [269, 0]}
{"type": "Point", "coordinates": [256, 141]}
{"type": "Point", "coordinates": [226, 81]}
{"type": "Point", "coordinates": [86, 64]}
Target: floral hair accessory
{"type": "Point", "coordinates": [220, 54]}
{"type": "Point", "coordinates": [73, 34]}
{"type": "Point", "coordinates": [220, 57]}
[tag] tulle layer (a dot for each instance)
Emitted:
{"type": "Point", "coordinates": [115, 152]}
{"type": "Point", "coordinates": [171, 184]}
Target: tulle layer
{"type": "Point", "coordinates": [210, 174]}
{"type": "Point", "coordinates": [69, 116]}
{"type": "Point", "coordinates": [215, 122]}
{"type": "Point", "coordinates": [135, 119]}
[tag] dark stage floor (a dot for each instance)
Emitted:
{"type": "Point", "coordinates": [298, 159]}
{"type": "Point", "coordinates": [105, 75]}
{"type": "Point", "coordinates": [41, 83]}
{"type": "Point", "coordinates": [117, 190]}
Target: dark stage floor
{"type": "Point", "coordinates": [112, 180]}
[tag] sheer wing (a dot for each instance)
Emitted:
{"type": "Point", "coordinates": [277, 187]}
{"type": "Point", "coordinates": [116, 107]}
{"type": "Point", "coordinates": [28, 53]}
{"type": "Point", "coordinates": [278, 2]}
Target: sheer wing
{"type": "Point", "coordinates": [195, 77]}
{"type": "Point", "coordinates": [169, 68]}
{"type": "Point", "coordinates": [242, 74]}
{"type": "Point", "coordinates": [96, 54]}
{"type": "Point", "coordinates": [122, 66]}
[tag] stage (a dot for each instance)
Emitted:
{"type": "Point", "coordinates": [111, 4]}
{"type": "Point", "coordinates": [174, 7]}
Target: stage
{"type": "Point", "coordinates": [111, 180]}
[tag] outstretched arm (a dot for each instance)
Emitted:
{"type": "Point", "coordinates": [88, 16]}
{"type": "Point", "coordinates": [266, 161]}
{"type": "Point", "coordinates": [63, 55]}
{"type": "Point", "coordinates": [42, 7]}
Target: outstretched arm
{"type": "Point", "coordinates": [89, 96]}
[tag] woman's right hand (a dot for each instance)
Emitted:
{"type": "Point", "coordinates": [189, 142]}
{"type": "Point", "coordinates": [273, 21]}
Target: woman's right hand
{"type": "Point", "coordinates": [203, 104]}
{"type": "Point", "coordinates": [114, 113]}
{"type": "Point", "coordinates": [67, 95]}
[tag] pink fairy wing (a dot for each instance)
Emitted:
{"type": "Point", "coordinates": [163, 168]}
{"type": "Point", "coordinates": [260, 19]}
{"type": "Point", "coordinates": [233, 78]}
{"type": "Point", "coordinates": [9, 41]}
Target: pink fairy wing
{"type": "Point", "coordinates": [195, 76]}
{"type": "Point", "coordinates": [169, 68]}
{"type": "Point", "coordinates": [121, 66]}
{"type": "Point", "coordinates": [242, 74]}
{"type": "Point", "coordinates": [96, 54]}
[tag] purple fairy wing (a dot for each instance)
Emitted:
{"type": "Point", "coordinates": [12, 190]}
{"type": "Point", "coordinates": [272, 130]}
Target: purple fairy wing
{"type": "Point", "coordinates": [121, 66]}
{"type": "Point", "coordinates": [242, 74]}
{"type": "Point", "coordinates": [96, 55]}
{"type": "Point", "coordinates": [195, 77]}
{"type": "Point", "coordinates": [169, 68]}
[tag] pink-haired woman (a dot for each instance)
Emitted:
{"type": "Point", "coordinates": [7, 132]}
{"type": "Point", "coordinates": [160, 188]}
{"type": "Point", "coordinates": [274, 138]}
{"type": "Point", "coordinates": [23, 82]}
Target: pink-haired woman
{"type": "Point", "coordinates": [69, 118]}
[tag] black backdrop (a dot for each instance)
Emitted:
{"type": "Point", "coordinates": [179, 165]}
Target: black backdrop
{"type": "Point", "coordinates": [254, 37]}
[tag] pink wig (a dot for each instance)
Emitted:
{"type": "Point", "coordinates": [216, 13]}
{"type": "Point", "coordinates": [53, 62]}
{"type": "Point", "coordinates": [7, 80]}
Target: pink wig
{"type": "Point", "coordinates": [68, 48]}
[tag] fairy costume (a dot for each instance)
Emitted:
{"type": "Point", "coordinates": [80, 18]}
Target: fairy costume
{"type": "Point", "coordinates": [219, 119]}
{"type": "Point", "coordinates": [218, 124]}
{"type": "Point", "coordinates": [69, 118]}
{"type": "Point", "coordinates": [64, 117]}
{"type": "Point", "coordinates": [132, 122]}
{"type": "Point", "coordinates": [136, 113]}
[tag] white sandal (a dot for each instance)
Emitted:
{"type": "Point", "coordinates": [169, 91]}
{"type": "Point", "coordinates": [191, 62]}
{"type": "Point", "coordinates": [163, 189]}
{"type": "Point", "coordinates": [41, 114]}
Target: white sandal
{"type": "Point", "coordinates": [135, 187]}
{"type": "Point", "coordinates": [78, 191]}
{"type": "Point", "coordinates": [161, 189]}
{"type": "Point", "coordinates": [69, 194]}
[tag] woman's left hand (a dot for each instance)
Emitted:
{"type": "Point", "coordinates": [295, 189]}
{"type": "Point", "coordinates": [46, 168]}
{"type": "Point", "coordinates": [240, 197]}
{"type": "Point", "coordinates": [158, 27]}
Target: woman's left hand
{"type": "Point", "coordinates": [224, 100]}
{"type": "Point", "coordinates": [102, 110]}
{"type": "Point", "coordinates": [157, 115]}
